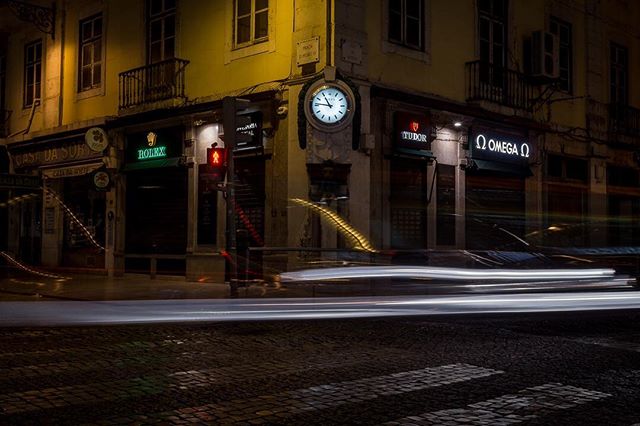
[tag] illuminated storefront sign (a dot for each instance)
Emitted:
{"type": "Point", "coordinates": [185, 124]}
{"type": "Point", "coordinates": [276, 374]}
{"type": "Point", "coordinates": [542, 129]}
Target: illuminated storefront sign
{"type": "Point", "coordinates": [412, 131]}
{"type": "Point", "coordinates": [154, 148]}
{"type": "Point", "coordinates": [485, 144]}
{"type": "Point", "coordinates": [155, 152]}
{"type": "Point", "coordinates": [251, 127]}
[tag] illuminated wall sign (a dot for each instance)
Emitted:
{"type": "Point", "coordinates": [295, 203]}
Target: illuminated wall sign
{"type": "Point", "coordinates": [155, 152]}
{"type": "Point", "coordinates": [252, 128]}
{"type": "Point", "coordinates": [489, 145]}
{"type": "Point", "coordinates": [412, 131]}
{"type": "Point", "coordinates": [154, 145]}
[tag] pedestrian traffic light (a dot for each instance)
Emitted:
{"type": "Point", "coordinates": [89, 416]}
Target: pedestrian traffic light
{"type": "Point", "coordinates": [217, 163]}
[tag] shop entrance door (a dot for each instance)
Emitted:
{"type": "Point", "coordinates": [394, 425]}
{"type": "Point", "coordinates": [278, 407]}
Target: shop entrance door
{"type": "Point", "coordinates": [249, 208]}
{"type": "Point", "coordinates": [408, 201]}
{"type": "Point", "coordinates": [156, 220]}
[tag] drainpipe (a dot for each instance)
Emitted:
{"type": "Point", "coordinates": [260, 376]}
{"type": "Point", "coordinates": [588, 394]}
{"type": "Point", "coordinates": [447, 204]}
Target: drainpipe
{"type": "Point", "coordinates": [330, 34]}
{"type": "Point", "coordinates": [63, 10]}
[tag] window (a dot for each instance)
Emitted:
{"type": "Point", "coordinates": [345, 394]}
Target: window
{"type": "Point", "coordinates": [492, 18]}
{"type": "Point", "coordinates": [562, 30]}
{"type": "Point", "coordinates": [566, 168]}
{"type": "Point", "coordinates": [619, 74]}
{"type": "Point", "coordinates": [251, 21]}
{"type": "Point", "coordinates": [90, 61]}
{"type": "Point", "coordinates": [161, 18]}
{"type": "Point", "coordinates": [32, 72]}
{"type": "Point", "coordinates": [406, 23]}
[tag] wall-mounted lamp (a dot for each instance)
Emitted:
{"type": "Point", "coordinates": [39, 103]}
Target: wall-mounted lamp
{"type": "Point", "coordinates": [457, 124]}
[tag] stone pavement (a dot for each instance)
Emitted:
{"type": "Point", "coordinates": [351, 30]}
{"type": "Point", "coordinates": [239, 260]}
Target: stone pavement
{"type": "Point", "coordinates": [394, 371]}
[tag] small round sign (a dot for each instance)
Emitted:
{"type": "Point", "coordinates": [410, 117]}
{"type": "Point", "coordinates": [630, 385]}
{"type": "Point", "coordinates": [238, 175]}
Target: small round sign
{"type": "Point", "coordinates": [96, 139]}
{"type": "Point", "coordinates": [101, 180]}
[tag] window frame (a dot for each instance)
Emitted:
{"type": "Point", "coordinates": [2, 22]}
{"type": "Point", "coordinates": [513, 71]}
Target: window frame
{"type": "Point", "coordinates": [91, 42]}
{"type": "Point", "coordinates": [30, 67]}
{"type": "Point", "coordinates": [252, 24]}
{"type": "Point", "coordinates": [567, 47]}
{"type": "Point", "coordinates": [616, 68]}
{"type": "Point", "coordinates": [162, 16]}
{"type": "Point", "coordinates": [404, 17]}
{"type": "Point", "coordinates": [493, 18]}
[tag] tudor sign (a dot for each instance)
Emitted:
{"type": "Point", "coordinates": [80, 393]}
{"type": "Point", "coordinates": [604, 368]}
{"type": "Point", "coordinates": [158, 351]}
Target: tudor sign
{"type": "Point", "coordinates": [412, 131]}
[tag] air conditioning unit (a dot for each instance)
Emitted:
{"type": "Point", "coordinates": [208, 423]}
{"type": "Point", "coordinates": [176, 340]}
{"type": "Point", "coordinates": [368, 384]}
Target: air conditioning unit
{"type": "Point", "coordinates": [545, 55]}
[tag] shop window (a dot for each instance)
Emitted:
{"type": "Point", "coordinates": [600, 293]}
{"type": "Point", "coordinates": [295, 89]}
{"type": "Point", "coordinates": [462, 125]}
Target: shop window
{"type": "Point", "coordinates": [446, 206]}
{"type": "Point", "coordinates": [562, 30]}
{"type": "Point", "coordinates": [619, 75]}
{"type": "Point", "coordinates": [623, 176]}
{"type": "Point", "coordinates": [251, 21]}
{"type": "Point", "coordinates": [161, 38]}
{"type": "Point", "coordinates": [90, 53]}
{"type": "Point", "coordinates": [567, 168]}
{"type": "Point", "coordinates": [406, 23]}
{"type": "Point", "coordinates": [32, 72]}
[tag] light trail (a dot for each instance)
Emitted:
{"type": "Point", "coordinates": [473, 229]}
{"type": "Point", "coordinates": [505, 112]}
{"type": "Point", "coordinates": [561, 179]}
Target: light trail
{"type": "Point", "coordinates": [433, 272]}
{"type": "Point", "coordinates": [64, 313]}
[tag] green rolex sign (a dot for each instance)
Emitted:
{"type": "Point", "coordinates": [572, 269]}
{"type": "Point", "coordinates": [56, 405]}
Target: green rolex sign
{"type": "Point", "coordinates": [154, 148]}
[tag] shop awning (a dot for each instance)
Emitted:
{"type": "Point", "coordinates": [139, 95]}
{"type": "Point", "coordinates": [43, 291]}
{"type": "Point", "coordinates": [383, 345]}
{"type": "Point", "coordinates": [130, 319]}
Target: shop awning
{"type": "Point", "coordinates": [70, 171]}
{"type": "Point", "coordinates": [404, 152]}
{"type": "Point", "coordinates": [153, 164]}
{"type": "Point", "coordinates": [495, 166]}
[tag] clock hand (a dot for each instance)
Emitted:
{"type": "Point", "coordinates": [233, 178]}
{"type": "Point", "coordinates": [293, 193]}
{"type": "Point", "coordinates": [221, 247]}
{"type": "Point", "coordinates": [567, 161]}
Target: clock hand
{"type": "Point", "coordinates": [325, 98]}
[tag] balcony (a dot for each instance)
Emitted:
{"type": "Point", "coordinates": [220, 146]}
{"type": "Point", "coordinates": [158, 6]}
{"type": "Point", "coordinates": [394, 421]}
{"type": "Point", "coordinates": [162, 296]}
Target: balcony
{"type": "Point", "coordinates": [624, 120]}
{"type": "Point", "coordinates": [152, 83]}
{"type": "Point", "coordinates": [491, 83]}
{"type": "Point", "coordinates": [619, 123]}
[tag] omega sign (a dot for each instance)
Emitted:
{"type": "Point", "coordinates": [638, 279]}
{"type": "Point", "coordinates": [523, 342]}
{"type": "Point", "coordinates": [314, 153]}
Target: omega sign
{"type": "Point", "coordinates": [488, 145]}
{"type": "Point", "coordinates": [505, 147]}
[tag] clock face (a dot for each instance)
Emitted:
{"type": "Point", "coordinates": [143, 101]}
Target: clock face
{"type": "Point", "coordinates": [329, 104]}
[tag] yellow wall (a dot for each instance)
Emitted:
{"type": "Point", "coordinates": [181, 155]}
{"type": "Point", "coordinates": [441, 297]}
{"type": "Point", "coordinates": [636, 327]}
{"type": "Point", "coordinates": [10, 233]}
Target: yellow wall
{"type": "Point", "coordinates": [203, 37]}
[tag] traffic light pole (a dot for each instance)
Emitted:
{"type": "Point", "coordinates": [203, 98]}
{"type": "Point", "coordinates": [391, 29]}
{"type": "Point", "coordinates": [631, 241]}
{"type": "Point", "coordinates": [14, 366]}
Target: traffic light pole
{"type": "Point", "coordinates": [229, 125]}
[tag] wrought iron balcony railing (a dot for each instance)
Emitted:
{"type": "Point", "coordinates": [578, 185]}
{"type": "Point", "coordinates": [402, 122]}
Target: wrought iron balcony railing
{"type": "Point", "coordinates": [624, 120]}
{"type": "Point", "coordinates": [488, 82]}
{"type": "Point", "coordinates": [152, 83]}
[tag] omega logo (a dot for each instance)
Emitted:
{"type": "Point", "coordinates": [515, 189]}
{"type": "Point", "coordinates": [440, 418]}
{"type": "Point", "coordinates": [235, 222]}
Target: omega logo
{"type": "Point", "coordinates": [503, 147]}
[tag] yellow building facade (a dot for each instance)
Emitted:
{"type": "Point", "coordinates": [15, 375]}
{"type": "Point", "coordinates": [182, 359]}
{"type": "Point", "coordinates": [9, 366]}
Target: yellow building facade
{"type": "Point", "coordinates": [468, 115]}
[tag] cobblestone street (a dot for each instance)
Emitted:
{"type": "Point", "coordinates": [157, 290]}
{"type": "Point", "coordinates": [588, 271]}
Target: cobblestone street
{"type": "Point", "coordinates": [481, 371]}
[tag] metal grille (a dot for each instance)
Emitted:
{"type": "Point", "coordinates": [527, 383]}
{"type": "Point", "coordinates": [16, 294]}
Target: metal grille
{"type": "Point", "coordinates": [408, 227]}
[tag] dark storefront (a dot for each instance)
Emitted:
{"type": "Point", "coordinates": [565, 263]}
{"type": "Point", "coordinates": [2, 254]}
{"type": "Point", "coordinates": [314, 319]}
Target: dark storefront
{"type": "Point", "coordinates": [84, 233]}
{"type": "Point", "coordinates": [156, 202]}
{"type": "Point", "coordinates": [623, 201]}
{"type": "Point", "coordinates": [409, 183]}
{"type": "Point", "coordinates": [495, 188]}
{"type": "Point", "coordinates": [567, 192]}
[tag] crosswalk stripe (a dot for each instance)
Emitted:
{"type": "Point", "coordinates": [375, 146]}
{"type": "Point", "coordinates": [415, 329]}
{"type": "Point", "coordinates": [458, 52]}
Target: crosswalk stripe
{"type": "Point", "coordinates": [511, 408]}
{"type": "Point", "coordinates": [37, 399]}
{"type": "Point", "coordinates": [319, 397]}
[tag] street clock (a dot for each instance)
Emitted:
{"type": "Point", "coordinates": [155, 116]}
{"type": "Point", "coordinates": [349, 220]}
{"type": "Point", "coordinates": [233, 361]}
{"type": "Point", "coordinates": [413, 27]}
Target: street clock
{"type": "Point", "coordinates": [329, 106]}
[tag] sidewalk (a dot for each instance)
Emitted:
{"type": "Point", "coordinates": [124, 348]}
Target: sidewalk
{"type": "Point", "coordinates": [24, 286]}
